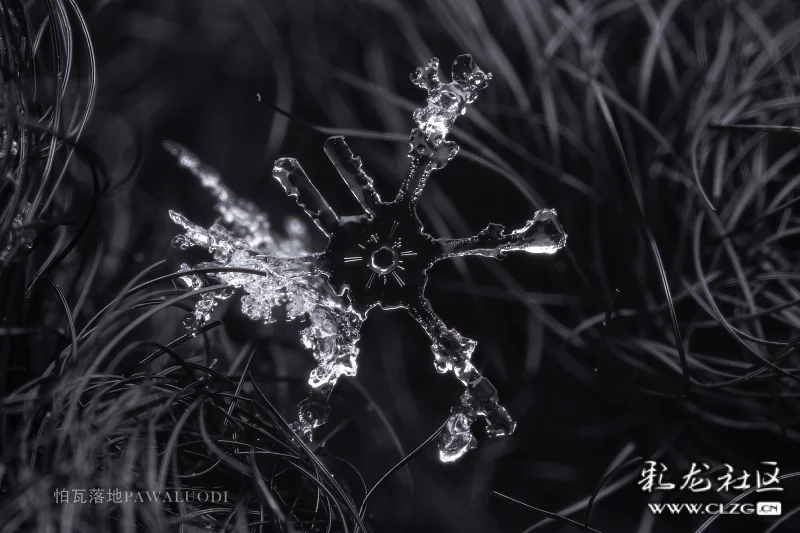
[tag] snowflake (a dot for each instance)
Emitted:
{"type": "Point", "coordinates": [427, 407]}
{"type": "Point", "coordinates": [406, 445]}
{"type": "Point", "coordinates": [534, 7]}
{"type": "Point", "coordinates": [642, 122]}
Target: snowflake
{"type": "Point", "coordinates": [377, 259]}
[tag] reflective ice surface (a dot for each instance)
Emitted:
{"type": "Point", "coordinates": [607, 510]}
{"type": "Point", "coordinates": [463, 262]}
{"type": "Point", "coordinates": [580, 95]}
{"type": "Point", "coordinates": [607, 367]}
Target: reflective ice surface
{"type": "Point", "coordinates": [18, 235]}
{"type": "Point", "coordinates": [378, 259]}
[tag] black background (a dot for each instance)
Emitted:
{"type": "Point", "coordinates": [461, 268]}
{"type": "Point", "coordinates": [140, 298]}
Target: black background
{"type": "Point", "coordinates": [199, 72]}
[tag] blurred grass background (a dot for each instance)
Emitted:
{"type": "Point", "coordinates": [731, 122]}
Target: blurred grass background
{"type": "Point", "coordinates": [607, 111]}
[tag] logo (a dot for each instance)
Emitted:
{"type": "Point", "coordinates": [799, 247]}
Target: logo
{"type": "Point", "coordinates": [730, 508]}
{"type": "Point", "coordinates": [701, 478]}
{"type": "Point", "coordinates": [114, 495]}
{"type": "Point", "coordinates": [768, 508]}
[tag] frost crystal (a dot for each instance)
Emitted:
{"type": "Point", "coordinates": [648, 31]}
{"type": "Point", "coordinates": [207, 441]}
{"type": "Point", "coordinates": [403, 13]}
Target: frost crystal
{"type": "Point", "coordinates": [377, 259]}
{"type": "Point", "coordinates": [19, 236]}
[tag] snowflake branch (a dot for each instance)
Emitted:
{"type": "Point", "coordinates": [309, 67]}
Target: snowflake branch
{"type": "Point", "coordinates": [541, 235]}
{"type": "Point", "coordinates": [427, 153]}
{"type": "Point", "coordinates": [452, 352]}
{"type": "Point", "coordinates": [296, 183]}
{"type": "Point", "coordinates": [349, 168]}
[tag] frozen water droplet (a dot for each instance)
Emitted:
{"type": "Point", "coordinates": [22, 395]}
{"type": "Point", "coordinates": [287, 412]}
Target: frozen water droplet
{"type": "Point", "coordinates": [541, 235]}
{"type": "Point", "coordinates": [312, 412]}
{"type": "Point", "coordinates": [456, 438]}
{"type": "Point", "coordinates": [191, 281]}
{"type": "Point", "coordinates": [205, 305]}
{"type": "Point", "coordinates": [499, 422]}
{"type": "Point", "coordinates": [471, 79]}
{"type": "Point", "coordinates": [452, 350]}
{"type": "Point", "coordinates": [224, 293]}
{"type": "Point", "coordinates": [447, 101]}
{"type": "Point", "coordinates": [303, 431]}
{"type": "Point", "coordinates": [19, 236]}
{"type": "Point", "coordinates": [427, 77]}
{"type": "Point", "coordinates": [181, 242]}
{"type": "Point", "coordinates": [192, 322]}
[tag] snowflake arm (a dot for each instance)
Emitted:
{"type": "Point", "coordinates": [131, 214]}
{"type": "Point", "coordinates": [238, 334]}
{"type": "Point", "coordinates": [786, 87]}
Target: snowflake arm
{"type": "Point", "coordinates": [208, 177]}
{"type": "Point", "coordinates": [452, 353]}
{"type": "Point", "coordinates": [426, 154]}
{"type": "Point", "coordinates": [429, 150]}
{"type": "Point", "coordinates": [541, 235]}
{"type": "Point", "coordinates": [243, 238]}
{"type": "Point", "coordinates": [349, 168]}
{"type": "Point", "coordinates": [296, 183]}
{"type": "Point", "coordinates": [242, 218]}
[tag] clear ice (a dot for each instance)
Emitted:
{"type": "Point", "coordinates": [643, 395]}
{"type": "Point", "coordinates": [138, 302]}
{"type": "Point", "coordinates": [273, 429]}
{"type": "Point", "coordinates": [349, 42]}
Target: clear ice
{"type": "Point", "coordinates": [18, 236]}
{"type": "Point", "coordinates": [377, 259]}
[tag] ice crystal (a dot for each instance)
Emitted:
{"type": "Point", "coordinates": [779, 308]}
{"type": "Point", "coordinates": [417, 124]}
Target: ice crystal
{"type": "Point", "coordinates": [243, 238]}
{"type": "Point", "coordinates": [377, 259]}
{"type": "Point", "coordinates": [18, 236]}
{"type": "Point", "coordinates": [5, 142]}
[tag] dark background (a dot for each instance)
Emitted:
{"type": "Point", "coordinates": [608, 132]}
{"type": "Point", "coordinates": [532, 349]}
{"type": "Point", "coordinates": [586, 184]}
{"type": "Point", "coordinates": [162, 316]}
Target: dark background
{"type": "Point", "coordinates": [588, 397]}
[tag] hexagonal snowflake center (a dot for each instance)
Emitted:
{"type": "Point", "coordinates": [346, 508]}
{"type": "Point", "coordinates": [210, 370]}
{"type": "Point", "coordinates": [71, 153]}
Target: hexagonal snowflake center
{"type": "Point", "coordinates": [384, 260]}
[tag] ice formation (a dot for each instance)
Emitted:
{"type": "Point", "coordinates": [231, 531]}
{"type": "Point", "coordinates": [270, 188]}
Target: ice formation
{"type": "Point", "coordinates": [377, 259]}
{"type": "Point", "coordinates": [18, 235]}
